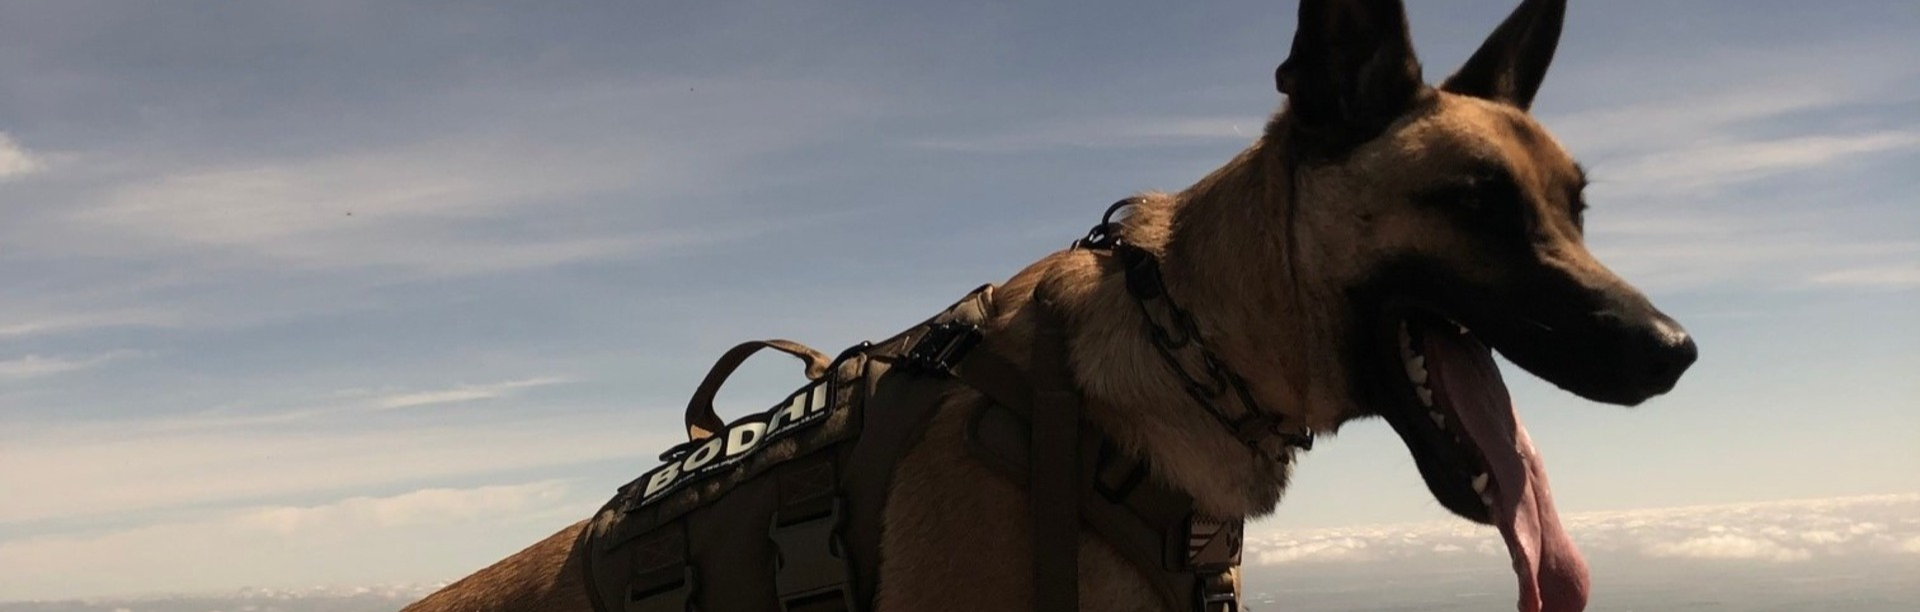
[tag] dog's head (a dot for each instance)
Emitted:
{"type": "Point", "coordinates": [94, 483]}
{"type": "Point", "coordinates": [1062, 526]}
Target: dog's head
{"type": "Point", "coordinates": [1446, 224]}
{"type": "Point", "coordinates": [1448, 221]}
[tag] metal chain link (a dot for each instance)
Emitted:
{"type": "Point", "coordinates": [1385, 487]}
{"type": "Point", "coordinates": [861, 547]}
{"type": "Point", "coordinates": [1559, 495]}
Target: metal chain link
{"type": "Point", "coordinates": [1146, 284]}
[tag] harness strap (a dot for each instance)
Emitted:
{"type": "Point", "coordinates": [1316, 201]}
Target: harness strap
{"type": "Point", "coordinates": [1054, 483]}
{"type": "Point", "coordinates": [663, 579]}
{"type": "Point", "coordinates": [1053, 491]}
{"type": "Point", "coordinates": [893, 418]}
{"type": "Point", "coordinates": [1189, 560]}
{"type": "Point", "coordinates": [811, 570]}
{"type": "Point", "coordinates": [702, 421]}
{"type": "Point", "coordinates": [1184, 556]}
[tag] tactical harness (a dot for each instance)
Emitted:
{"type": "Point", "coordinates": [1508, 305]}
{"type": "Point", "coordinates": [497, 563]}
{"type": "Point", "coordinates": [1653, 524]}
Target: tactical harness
{"type": "Point", "coordinates": [781, 511]}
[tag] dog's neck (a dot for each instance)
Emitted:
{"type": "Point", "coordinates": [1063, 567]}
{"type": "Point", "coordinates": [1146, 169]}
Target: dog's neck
{"type": "Point", "coordinates": [1223, 248]}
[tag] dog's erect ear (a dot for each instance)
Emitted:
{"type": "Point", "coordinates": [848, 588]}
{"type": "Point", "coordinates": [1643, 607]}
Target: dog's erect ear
{"type": "Point", "coordinates": [1510, 65]}
{"type": "Point", "coordinates": [1352, 70]}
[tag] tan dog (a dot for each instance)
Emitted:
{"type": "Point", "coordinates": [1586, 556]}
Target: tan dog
{"type": "Point", "coordinates": [1351, 263]}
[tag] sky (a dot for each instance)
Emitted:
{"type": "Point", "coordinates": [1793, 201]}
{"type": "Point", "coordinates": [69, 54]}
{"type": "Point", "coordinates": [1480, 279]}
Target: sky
{"type": "Point", "coordinates": [342, 293]}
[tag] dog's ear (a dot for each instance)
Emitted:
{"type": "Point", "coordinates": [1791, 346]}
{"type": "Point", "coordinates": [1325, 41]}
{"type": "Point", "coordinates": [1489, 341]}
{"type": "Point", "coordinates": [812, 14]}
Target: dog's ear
{"type": "Point", "coordinates": [1352, 70]}
{"type": "Point", "coordinates": [1511, 64]}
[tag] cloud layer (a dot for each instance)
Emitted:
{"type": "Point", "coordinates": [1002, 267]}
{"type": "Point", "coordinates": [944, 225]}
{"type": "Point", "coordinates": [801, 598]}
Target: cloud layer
{"type": "Point", "coordinates": [16, 161]}
{"type": "Point", "coordinates": [1773, 532]}
{"type": "Point", "coordinates": [369, 539]}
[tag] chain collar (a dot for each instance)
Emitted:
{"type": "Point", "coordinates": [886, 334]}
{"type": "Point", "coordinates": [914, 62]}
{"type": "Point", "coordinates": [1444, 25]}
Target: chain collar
{"type": "Point", "coordinates": [1216, 383]}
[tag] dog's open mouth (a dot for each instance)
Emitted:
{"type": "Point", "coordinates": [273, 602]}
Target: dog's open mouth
{"type": "Point", "coordinates": [1459, 422]}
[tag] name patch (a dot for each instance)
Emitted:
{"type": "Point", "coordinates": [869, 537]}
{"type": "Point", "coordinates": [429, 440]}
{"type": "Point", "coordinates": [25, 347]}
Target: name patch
{"type": "Point", "coordinates": [805, 408]}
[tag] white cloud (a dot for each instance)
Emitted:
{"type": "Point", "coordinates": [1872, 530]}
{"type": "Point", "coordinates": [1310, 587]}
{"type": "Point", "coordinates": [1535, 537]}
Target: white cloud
{"type": "Point", "coordinates": [1889, 277]}
{"type": "Point", "coordinates": [1664, 156]}
{"type": "Point", "coordinates": [1331, 549]}
{"type": "Point", "coordinates": [1717, 165]}
{"type": "Point", "coordinates": [359, 540]}
{"type": "Point", "coordinates": [31, 325]}
{"type": "Point", "coordinates": [38, 366]}
{"type": "Point", "coordinates": [425, 506]}
{"type": "Point", "coordinates": [403, 208]}
{"type": "Point", "coordinates": [352, 403]}
{"type": "Point", "coordinates": [1690, 116]}
{"type": "Point", "coordinates": [119, 468]}
{"type": "Point", "coordinates": [1790, 531]}
{"type": "Point", "coordinates": [463, 393]}
{"type": "Point", "coordinates": [554, 186]}
{"type": "Point", "coordinates": [1705, 253]}
{"type": "Point", "coordinates": [1106, 132]}
{"type": "Point", "coordinates": [1728, 547]}
{"type": "Point", "coordinates": [16, 161]}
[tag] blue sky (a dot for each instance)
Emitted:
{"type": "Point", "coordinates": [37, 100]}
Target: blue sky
{"type": "Point", "coordinates": [345, 293]}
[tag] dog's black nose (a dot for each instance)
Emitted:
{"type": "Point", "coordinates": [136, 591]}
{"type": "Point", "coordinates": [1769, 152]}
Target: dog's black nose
{"type": "Point", "coordinates": [1658, 355]}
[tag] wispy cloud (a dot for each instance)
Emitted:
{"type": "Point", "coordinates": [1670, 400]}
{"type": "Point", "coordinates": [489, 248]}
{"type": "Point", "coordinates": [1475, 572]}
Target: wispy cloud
{"type": "Point", "coordinates": [1696, 255]}
{"type": "Point", "coordinates": [117, 468]}
{"type": "Point", "coordinates": [308, 598]}
{"type": "Point", "coordinates": [1104, 132]}
{"type": "Point", "coordinates": [463, 393]}
{"type": "Point", "coordinates": [337, 404]}
{"type": "Point", "coordinates": [1879, 276]}
{"type": "Point", "coordinates": [16, 161]}
{"type": "Point", "coordinates": [33, 325]}
{"type": "Point", "coordinates": [415, 207]}
{"type": "Point", "coordinates": [1774, 532]}
{"type": "Point", "coordinates": [1719, 165]}
{"type": "Point", "coordinates": [1665, 167]}
{"type": "Point", "coordinates": [38, 366]}
{"type": "Point", "coordinates": [424, 506]}
{"type": "Point", "coordinates": [367, 539]}
{"type": "Point", "coordinates": [1728, 547]}
{"type": "Point", "coordinates": [1688, 115]}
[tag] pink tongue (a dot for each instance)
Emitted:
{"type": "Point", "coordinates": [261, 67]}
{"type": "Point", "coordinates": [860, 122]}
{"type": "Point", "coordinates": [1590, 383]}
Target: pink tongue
{"type": "Point", "coordinates": [1553, 576]}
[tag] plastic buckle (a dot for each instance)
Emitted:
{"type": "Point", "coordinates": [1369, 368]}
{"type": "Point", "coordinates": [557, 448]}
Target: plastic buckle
{"type": "Point", "coordinates": [1111, 483]}
{"type": "Point", "coordinates": [943, 346]}
{"type": "Point", "coordinates": [810, 566]}
{"type": "Point", "coordinates": [670, 591]}
{"type": "Point", "coordinates": [1217, 593]}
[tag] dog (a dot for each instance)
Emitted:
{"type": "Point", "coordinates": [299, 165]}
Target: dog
{"type": "Point", "coordinates": [1364, 258]}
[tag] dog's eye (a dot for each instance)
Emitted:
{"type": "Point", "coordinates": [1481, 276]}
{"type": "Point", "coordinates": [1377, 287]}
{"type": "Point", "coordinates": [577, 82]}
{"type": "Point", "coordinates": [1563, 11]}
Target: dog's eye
{"type": "Point", "coordinates": [1577, 206]}
{"type": "Point", "coordinates": [1488, 203]}
{"type": "Point", "coordinates": [1481, 194]}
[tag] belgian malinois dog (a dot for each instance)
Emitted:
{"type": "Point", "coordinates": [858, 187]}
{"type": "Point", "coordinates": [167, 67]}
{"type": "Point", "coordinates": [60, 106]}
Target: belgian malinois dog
{"type": "Point", "coordinates": [1363, 258]}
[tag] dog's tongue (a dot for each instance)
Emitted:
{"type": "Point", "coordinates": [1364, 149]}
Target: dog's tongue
{"type": "Point", "coordinates": [1553, 576]}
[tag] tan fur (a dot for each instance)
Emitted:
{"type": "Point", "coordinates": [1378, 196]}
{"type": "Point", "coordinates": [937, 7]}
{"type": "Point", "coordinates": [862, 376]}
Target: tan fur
{"type": "Point", "coordinates": [545, 576]}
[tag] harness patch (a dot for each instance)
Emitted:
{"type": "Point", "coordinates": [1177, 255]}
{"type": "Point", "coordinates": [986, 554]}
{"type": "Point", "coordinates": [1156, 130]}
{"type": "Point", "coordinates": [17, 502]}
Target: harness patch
{"type": "Point", "coordinates": [691, 462]}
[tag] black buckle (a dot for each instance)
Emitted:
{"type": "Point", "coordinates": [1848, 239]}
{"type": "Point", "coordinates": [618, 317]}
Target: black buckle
{"type": "Point", "coordinates": [667, 591]}
{"type": "Point", "coordinates": [810, 572]}
{"type": "Point", "coordinates": [943, 346]}
{"type": "Point", "coordinates": [1110, 483]}
{"type": "Point", "coordinates": [1216, 593]}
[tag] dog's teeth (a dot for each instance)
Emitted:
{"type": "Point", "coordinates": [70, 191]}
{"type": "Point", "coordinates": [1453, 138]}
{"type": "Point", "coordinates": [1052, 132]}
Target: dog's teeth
{"type": "Point", "coordinates": [1439, 420]}
{"type": "Point", "coordinates": [1463, 329]}
{"type": "Point", "coordinates": [1426, 395]}
{"type": "Point", "coordinates": [1486, 499]}
{"type": "Point", "coordinates": [1480, 484]}
{"type": "Point", "coordinates": [1406, 341]}
{"type": "Point", "coordinates": [1417, 370]}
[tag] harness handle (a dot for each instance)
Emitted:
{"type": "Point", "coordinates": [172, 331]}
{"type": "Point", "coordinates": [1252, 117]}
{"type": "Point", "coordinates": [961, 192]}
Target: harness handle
{"type": "Point", "coordinates": [702, 421]}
